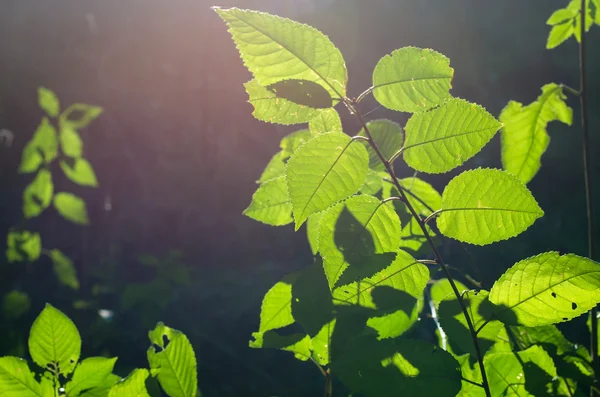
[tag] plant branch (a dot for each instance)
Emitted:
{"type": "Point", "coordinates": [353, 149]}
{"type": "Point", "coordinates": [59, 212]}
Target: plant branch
{"type": "Point", "coordinates": [438, 257]}
{"type": "Point", "coordinates": [588, 182]}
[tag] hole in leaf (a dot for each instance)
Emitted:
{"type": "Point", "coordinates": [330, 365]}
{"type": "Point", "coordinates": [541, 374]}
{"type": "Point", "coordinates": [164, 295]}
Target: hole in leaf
{"type": "Point", "coordinates": [166, 341]}
{"type": "Point", "coordinates": [554, 294]}
{"type": "Point", "coordinates": [574, 305]}
{"type": "Point", "coordinates": [157, 348]}
{"type": "Point", "coordinates": [564, 318]}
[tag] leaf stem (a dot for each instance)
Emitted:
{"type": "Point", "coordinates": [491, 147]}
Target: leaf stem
{"type": "Point", "coordinates": [570, 90]}
{"type": "Point", "coordinates": [588, 183]}
{"type": "Point", "coordinates": [363, 95]}
{"type": "Point", "coordinates": [438, 257]}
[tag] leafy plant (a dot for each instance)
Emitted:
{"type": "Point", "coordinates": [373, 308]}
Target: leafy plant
{"type": "Point", "coordinates": [56, 140]}
{"type": "Point", "coordinates": [55, 347]}
{"type": "Point", "coordinates": [352, 312]}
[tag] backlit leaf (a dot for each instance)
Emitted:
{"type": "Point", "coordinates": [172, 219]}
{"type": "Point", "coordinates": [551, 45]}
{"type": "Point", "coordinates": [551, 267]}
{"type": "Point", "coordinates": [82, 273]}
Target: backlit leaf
{"type": "Point", "coordinates": [37, 196]}
{"type": "Point", "coordinates": [79, 115]}
{"type": "Point", "coordinates": [276, 309]}
{"type": "Point", "coordinates": [132, 386]}
{"type": "Point", "coordinates": [298, 344]}
{"type": "Point", "coordinates": [293, 141]}
{"type": "Point", "coordinates": [270, 203]}
{"type": "Point", "coordinates": [327, 169]}
{"type": "Point", "coordinates": [560, 16]}
{"type": "Point", "coordinates": [16, 380]}
{"type": "Point", "coordinates": [559, 34]}
{"type": "Point", "coordinates": [412, 79]}
{"type": "Point", "coordinates": [48, 101]}
{"type": "Point", "coordinates": [271, 109]}
{"type": "Point", "coordinates": [42, 148]}
{"type": "Point", "coordinates": [173, 362]}
{"type": "Point", "coordinates": [302, 92]}
{"type": "Point", "coordinates": [497, 207]}
{"type": "Point", "coordinates": [81, 172]}
{"type": "Point", "coordinates": [388, 367]}
{"type": "Point", "coordinates": [421, 195]}
{"type": "Point", "coordinates": [103, 389]}
{"type": "Point", "coordinates": [23, 246]}
{"type": "Point", "coordinates": [524, 135]}
{"type": "Point", "coordinates": [326, 121]}
{"type": "Point", "coordinates": [373, 183]}
{"type": "Point", "coordinates": [64, 269]}
{"type": "Point", "coordinates": [54, 339]}
{"type": "Point", "coordinates": [445, 137]}
{"type": "Point", "coordinates": [353, 232]}
{"type": "Point", "coordinates": [321, 343]}
{"type": "Point", "coordinates": [276, 49]}
{"type": "Point", "coordinates": [472, 373]}
{"type": "Point", "coordinates": [274, 169]}
{"type": "Point", "coordinates": [547, 289]}
{"type": "Point", "coordinates": [312, 231]}
{"type": "Point", "coordinates": [441, 290]}
{"type": "Point", "coordinates": [90, 373]}
{"type": "Point", "coordinates": [70, 142]}
{"type": "Point", "coordinates": [71, 207]}
{"type": "Point", "coordinates": [388, 137]}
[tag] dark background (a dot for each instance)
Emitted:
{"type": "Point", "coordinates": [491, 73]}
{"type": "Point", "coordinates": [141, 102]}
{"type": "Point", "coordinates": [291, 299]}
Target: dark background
{"type": "Point", "coordinates": [177, 153]}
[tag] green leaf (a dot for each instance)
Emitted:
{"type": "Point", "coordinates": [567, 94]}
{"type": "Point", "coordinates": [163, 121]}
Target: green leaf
{"type": "Point", "coordinates": [16, 380]}
{"type": "Point", "coordinates": [293, 141]}
{"type": "Point", "coordinates": [276, 49]}
{"type": "Point", "coordinates": [276, 309]}
{"type": "Point", "coordinates": [388, 136]}
{"type": "Point", "coordinates": [353, 233]}
{"type": "Point", "coordinates": [321, 343]}
{"type": "Point", "coordinates": [524, 135]}
{"type": "Point", "coordinates": [421, 195]}
{"type": "Point", "coordinates": [296, 343]}
{"type": "Point", "coordinates": [589, 18]}
{"type": "Point", "coordinates": [103, 389]}
{"type": "Point", "coordinates": [497, 207]}
{"type": "Point", "coordinates": [441, 290]}
{"type": "Point", "coordinates": [70, 142]}
{"type": "Point", "coordinates": [274, 169]}
{"type": "Point", "coordinates": [37, 196]}
{"type": "Point", "coordinates": [64, 269]}
{"type": "Point", "coordinates": [547, 289]}
{"type": "Point", "coordinates": [15, 304]}
{"type": "Point", "coordinates": [302, 92]}
{"type": "Point", "coordinates": [48, 101]}
{"type": "Point", "coordinates": [42, 148]}
{"type": "Point", "coordinates": [327, 169]}
{"type": "Point", "coordinates": [326, 121]}
{"type": "Point", "coordinates": [90, 373]}
{"type": "Point", "coordinates": [81, 173]}
{"type": "Point", "coordinates": [271, 109]}
{"type": "Point", "coordinates": [455, 325]}
{"type": "Point", "coordinates": [444, 138]}
{"type": "Point", "coordinates": [373, 183]}
{"type": "Point", "coordinates": [526, 373]}
{"type": "Point", "coordinates": [312, 231]}
{"type": "Point", "coordinates": [392, 366]}
{"type": "Point", "coordinates": [472, 373]}
{"type": "Point", "coordinates": [412, 79]}
{"type": "Point", "coordinates": [561, 16]}
{"type": "Point", "coordinates": [397, 323]}
{"type": "Point", "coordinates": [132, 386]}
{"type": "Point", "coordinates": [173, 362]}
{"type": "Point", "coordinates": [79, 115]}
{"type": "Point", "coordinates": [71, 207]}
{"type": "Point", "coordinates": [54, 339]}
{"type": "Point", "coordinates": [271, 204]}
{"type": "Point", "coordinates": [559, 34]}
{"type": "Point", "coordinates": [23, 246]}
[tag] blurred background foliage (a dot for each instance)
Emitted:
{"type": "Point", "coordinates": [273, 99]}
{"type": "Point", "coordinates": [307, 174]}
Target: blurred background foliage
{"type": "Point", "coordinates": [177, 153]}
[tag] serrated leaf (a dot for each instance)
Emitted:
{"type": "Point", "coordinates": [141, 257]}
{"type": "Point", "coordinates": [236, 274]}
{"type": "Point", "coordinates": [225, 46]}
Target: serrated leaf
{"type": "Point", "coordinates": [497, 207]}
{"type": "Point", "coordinates": [560, 16]}
{"type": "Point", "coordinates": [302, 92]}
{"type": "Point", "coordinates": [298, 344]}
{"type": "Point", "coordinates": [90, 373]}
{"type": "Point", "coordinates": [271, 109]}
{"type": "Point", "coordinates": [276, 49]}
{"type": "Point", "coordinates": [23, 246]}
{"type": "Point", "coordinates": [71, 207]}
{"type": "Point", "coordinates": [79, 115]}
{"type": "Point", "coordinates": [276, 308]}
{"type": "Point", "coordinates": [353, 233]}
{"type": "Point", "coordinates": [48, 101]}
{"type": "Point", "coordinates": [471, 373]}
{"type": "Point", "coordinates": [523, 374]}
{"type": "Point", "coordinates": [388, 136]}
{"type": "Point", "coordinates": [547, 289]}
{"type": "Point", "coordinates": [41, 149]}
{"type": "Point", "coordinates": [445, 137]}
{"type": "Point", "coordinates": [412, 79]}
{"type": "Point", "coordinates": [103, 389]}
{"type": "Point", "coordinates": [132, 386]}
{"type": "Point", "coordinates": [81, 172]}
{"type": "Point", "coordinates": [326, 121]}
{"type": "Point", "coordinates": [421, 195]}
{"type": "Point", "coordinates": [312, 231]}
{"type": "Point", "coordinates": [327, 169]}
{"type": "Point", "coordinates": [71, 143]}
{"type": "Point", "coordinates": [293, 141]}
{"type": "Point", "coordinates": [397, 323]}
{"type": "Point", "coordinates": [384, 368]}
{"type": "Point", "coordinates": [441, 290]}
{"type": "Point", "coordinates": [321, 343]}
{"type": "Point", "coordinates": [16, 380]}
{"type": "Point", "coordinates": [271, 204]}
{"type": "Point", "coordinates": [54, 339]}
{"type": "Point", "coordinates": [64, 269]}
{"type": "Point", "coordinates": [454, 324]}
{"type": "Point", "coordinates": [173, 362]}
{"type": "Point", "coordinates": [274, 169]}
{"type": "Point", "coordinates": [373, 183]}
{"type": "Point", "coordinates": [37, 196]}
{"type": "Point", "coordinates": [525, 136]}
{"type": "Point", "coordinates": [559, 34]}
